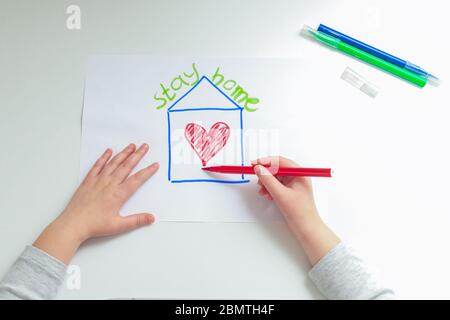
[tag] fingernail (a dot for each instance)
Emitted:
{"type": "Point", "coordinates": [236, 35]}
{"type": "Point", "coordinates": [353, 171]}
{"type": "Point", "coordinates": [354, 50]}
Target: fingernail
{"type": "Point", "coordinates": [154, 165]}
{"type": "Point", "coordinates": [261, 170]}
{"type": "Point", "coordinates": [265, 160]}
{"type": "Point", "coordinates": [130, 146]}
{"type": "Point", "coordinates": [143, 147]}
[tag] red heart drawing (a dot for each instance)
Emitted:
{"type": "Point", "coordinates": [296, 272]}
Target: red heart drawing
{"type": "Point", "coordinates": [207, 144]}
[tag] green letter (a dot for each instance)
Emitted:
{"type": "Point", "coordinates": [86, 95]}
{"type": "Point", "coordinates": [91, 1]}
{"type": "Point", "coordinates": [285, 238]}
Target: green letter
{"type": "Point", "coordinates": [180, 81]}
{"type": "Point", "coordinates": [217, 74]}
{"type": "Point", "coordinates": [251, 101]}
{"type": "Point", "coordinates": [166, 92]}
{"type": "Point", "coordinates": [164, 101]}
{"type": "Point", "coordinates": [229, 81]}
{"type": "Point", "coordinates": [239, 91]}
{"type": "Point", "coordinates": [195, 73]}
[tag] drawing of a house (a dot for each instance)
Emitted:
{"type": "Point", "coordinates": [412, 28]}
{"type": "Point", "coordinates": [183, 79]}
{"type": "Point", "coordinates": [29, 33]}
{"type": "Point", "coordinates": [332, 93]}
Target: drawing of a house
{"type": "Point", "coordinates": [204, 105]}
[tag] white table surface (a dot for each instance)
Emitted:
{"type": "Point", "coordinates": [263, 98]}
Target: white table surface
{"type": "Point", "coordinates": [389, 198]}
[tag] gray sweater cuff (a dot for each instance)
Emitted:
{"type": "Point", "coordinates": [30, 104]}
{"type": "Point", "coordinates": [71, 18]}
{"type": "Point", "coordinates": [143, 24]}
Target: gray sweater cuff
{"type": "Point", "coordinates": [34, 275]}
{"type": "Point", "coordinates": [341, 274]}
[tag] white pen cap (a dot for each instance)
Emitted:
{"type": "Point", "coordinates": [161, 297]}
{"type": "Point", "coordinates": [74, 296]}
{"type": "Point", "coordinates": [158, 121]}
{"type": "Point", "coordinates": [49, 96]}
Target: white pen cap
{"type": "Point", "coordinates": [358, 81]}
{"type": "Point", "coordinates": [307, 31]}
{"type": "Point", "coordinates": [433, 80]}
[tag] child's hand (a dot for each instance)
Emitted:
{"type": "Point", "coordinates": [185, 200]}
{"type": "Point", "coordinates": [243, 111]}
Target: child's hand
{"type": "Point", "coordinates": [294, 197]}
{"type": "Point", "coordinates": [94, 208]}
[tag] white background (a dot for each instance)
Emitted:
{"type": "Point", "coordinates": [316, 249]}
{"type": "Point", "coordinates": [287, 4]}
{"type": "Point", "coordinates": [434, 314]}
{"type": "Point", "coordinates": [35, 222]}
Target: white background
{"type": "Point", "coordinates": [389, 198]}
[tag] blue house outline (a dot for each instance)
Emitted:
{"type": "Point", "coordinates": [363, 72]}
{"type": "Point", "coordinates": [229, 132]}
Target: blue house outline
{"type": "Point", "coordinates": [237, 107]}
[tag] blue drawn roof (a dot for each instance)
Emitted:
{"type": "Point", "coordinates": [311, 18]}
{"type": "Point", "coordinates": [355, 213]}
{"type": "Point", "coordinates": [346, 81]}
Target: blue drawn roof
{"type": "Point", "coordinates": [187, 102]}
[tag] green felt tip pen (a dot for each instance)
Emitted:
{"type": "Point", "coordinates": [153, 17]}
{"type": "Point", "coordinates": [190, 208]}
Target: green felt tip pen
{"type": "Point", "coordinates": [364, 56]}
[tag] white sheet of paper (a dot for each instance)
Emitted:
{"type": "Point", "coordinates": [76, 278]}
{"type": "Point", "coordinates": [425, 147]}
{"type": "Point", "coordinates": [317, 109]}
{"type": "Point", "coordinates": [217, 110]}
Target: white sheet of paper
{"type": "Point", "coordinates": [124, 102]}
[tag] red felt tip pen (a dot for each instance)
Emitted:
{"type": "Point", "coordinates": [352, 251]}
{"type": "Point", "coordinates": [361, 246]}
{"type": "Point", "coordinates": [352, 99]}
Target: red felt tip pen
{"type": "Point", "coordinates": [276, 171]}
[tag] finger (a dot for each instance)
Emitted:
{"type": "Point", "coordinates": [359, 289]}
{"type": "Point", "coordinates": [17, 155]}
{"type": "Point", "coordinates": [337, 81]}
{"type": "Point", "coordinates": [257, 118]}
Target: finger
{"type": "Point", "coordinates": [119, 158]}
{"type": "Point", "coordinates": [124, 170]}
{"type": "Point", "coordinates": [268, 197]}
{"type": "Point", "coordinates": [135, 221]}
{"type": "Point", "coordinates": [262, 191]}
{"type": "Point", "coordinates": [276, 161]}
{"type": "Point", "coordinates": [139, 178]}
{"type": "Point", "coordinates": [285, 162]}
{"type": "Point", "coordinates": [271, 183]}
{"type": "Point", "coordinates": [99, 165]}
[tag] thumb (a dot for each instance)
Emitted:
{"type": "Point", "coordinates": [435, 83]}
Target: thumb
{"type": "Point", "coordinates": [135, 221]}
{"type": "Point", "coordinates": [272, 185]}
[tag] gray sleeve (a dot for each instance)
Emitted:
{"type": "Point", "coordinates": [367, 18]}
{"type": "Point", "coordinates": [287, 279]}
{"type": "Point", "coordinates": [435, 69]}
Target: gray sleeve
{"type": "Point", "coordinates": [34, 275]}
{"type": "Point", "coordinates": [341, 274]}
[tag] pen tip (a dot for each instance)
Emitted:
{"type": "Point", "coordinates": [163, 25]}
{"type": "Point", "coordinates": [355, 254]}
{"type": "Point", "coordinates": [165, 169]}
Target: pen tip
{"type": "Point", "coordinates": [434, 81]}
{"type": "Point", "coordinates": [307, 31]}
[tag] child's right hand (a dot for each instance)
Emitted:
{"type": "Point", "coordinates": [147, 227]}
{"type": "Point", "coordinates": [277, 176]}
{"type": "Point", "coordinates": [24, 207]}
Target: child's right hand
{"type": "Point", "coordinates": [294, 197]}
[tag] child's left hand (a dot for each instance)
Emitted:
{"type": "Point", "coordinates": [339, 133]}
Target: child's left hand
{"type": "Point", "coordinates": [94, 208]}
